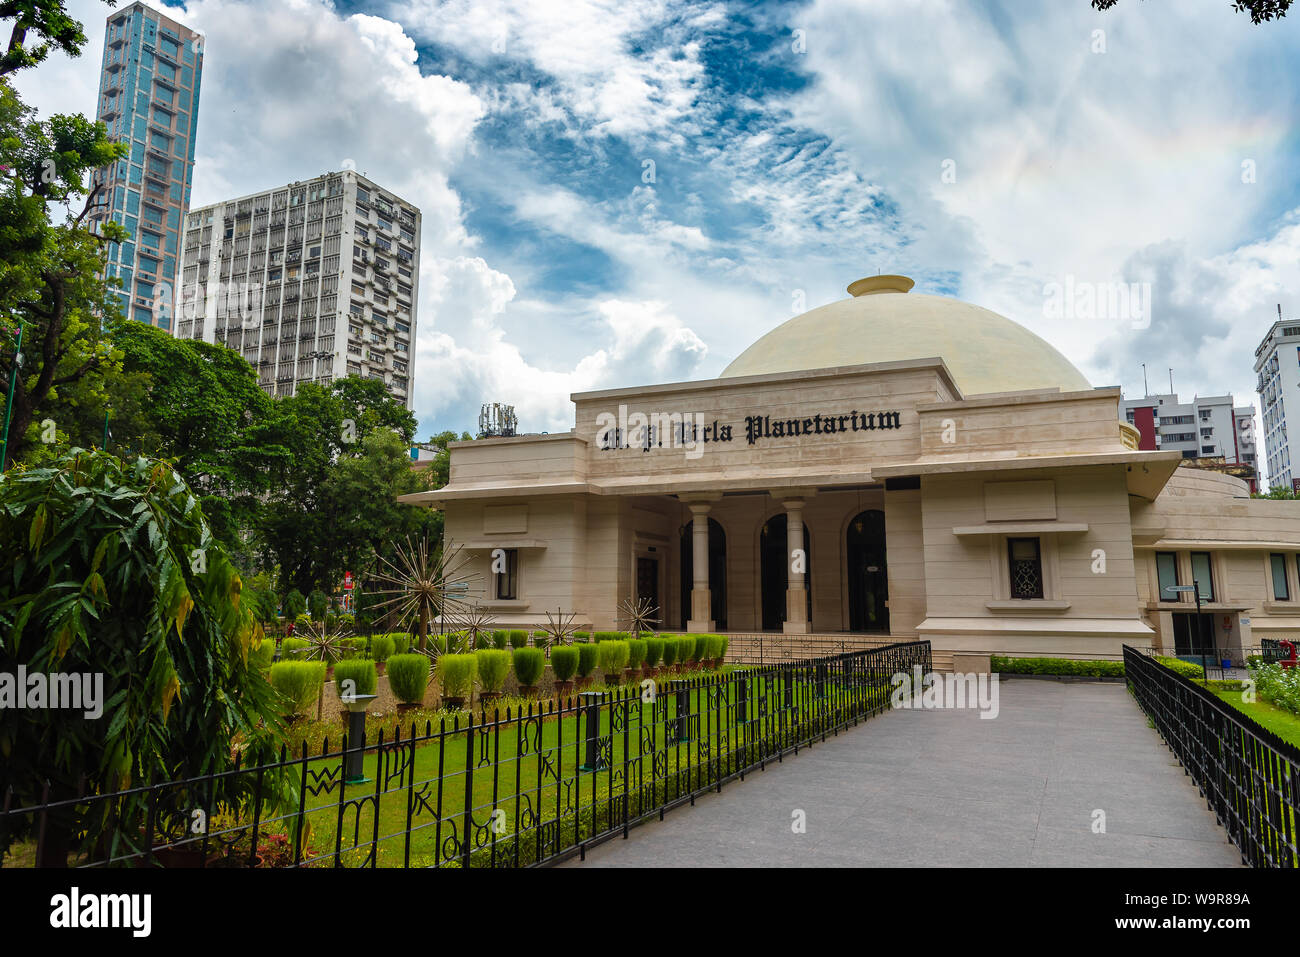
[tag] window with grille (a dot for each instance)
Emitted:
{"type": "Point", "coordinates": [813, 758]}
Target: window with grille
{"type": "Point", "coordinates": [1025, 565]}
{"type": "Point", "coordinates": [506, 578]}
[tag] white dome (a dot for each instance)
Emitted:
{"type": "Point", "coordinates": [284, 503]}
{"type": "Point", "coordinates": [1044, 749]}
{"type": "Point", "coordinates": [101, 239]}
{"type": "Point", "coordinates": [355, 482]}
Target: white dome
{"type": "Point", "coordinates": [984, 351]}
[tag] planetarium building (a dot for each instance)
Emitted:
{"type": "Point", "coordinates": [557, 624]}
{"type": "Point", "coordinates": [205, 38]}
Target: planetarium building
{"type": "Point", "coordinates": [890, 466]}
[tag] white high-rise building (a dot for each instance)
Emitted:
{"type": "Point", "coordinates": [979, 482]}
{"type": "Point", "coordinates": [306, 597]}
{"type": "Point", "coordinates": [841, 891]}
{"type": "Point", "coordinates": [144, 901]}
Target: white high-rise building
{"type": "Point", "coordinates": [1277, 364]}
{"type": "Point", "coordinates": [310, 282]}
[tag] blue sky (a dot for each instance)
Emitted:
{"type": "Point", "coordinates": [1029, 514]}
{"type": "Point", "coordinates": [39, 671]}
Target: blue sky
{"type": "Point", "coordinates": [795, 148]}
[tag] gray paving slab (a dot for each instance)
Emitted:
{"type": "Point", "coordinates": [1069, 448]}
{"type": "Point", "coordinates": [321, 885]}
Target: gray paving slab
{"type": "Point", "coordinates": [948, 788]}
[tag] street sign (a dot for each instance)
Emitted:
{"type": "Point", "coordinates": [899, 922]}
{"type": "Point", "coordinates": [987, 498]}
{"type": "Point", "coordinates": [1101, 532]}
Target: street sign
{"type": "Point", "coordinates": [1180, 588]}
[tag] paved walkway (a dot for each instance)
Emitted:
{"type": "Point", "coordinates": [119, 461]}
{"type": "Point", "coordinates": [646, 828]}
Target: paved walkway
{"type": "Point", "coordinates": [941, 788]}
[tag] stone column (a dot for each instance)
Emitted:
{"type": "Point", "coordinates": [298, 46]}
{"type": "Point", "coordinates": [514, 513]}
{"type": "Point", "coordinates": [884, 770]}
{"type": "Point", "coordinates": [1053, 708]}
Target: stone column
{"type": "Point", "coordinates": [796, 592]}
{"type": "Point", "coordinates": [701, 596]}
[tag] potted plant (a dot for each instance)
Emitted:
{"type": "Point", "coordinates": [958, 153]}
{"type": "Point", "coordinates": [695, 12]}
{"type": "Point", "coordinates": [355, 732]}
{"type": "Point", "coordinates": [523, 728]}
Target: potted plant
{"type": "Point", "coordinates": [500, 639]}
{"type": "Point", "coordinates": [564, 664]}
{"type": "Point", "coordinates": [518, 638]}
{"type": "Point", "coordinates": [493, 666]}
{"type": "Point", "coordinates": [654, 650]}
{"type": "Point", "coordinates": [669, 652]}
{"type": "Point", "coordinates": [354, 676]}
{"type": "Point", "coordinates": [613, 658]}
{"type": "Point", "coordinates": [382, 647]}
{"type": "Point", "coordinates": [408, 675]}
{"type": "Point", "coordinates": [635, 658]}
{"type": "Point", "coordinates": [456, 676]}
{"type": "Point", "coordinates": [529, 664]}
{"type": "Point", "coordinates": [299, 684]}
{"type": "Point", "coordinates": [588, 654]}
{"type": "Point", "coordinates": [685, 651]}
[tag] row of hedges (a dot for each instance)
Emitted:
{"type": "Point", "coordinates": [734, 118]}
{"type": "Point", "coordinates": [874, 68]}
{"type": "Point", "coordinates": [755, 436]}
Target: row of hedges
{"type": "Point", "coordinates": [1084, 669]}
{"type": "Point", "coordinates": [300, 682]}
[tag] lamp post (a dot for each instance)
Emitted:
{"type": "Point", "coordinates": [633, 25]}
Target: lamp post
{"type": "Point", "coordinates": [316, 366]}
{"type": "Point", "coordinates": [9, 403]}
{"type": "Point", "coordinates": [1195, 589]}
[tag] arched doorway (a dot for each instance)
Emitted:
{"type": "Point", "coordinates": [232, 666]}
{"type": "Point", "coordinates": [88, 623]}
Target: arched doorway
{"type": "Point", "coordinates": [868, 577]}
{"type": "Point", "coordinates": [717, 572]}
{"type": "Point", "coordinates": [774, 571]}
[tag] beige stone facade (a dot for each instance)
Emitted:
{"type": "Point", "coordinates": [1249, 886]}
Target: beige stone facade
{"type": "Point", "coordinates": [891, 501]}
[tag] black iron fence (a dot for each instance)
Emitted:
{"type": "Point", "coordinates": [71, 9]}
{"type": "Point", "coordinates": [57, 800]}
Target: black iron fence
{"type": "Point", "coordinates": [1249, 776]}
{"type": "Point", "coordinates": [503, 791]}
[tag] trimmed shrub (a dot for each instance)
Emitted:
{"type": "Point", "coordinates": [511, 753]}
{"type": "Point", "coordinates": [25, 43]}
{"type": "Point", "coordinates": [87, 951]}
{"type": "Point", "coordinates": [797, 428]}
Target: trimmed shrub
{"type": "Point", "coordinates": [291, 649]}
{"type": "Point", "coordinates": [654, 651]}
{"type": "Point", "coordinates": [408, 675]}
{"type": "Point", "coordinates": [670, 650]}
{"type": "Point", "coordinates": [581, 636]}
{"type": "Point", "coordinates": [359, 670]}
{"type": "Point", "coordinates": [303, 619]}
{"type": "Point", "coordinates": [401, 642]}
{"type": "Point", "coordinates": [564, 662]}
{"type": "Point", "coordinates": [353, 647]}
{"type": "Point", "coordinates": [587, 658]}
{"type": "Point", "coordinates": [1184, 668]}
{"type": "Point", "coordinates": [529, 665]}
{"type": "Point", "coordinates": [635, 652]}
{"type": "Point", "coordinates": [686, 648]}
{"type": "Point", "coordinates": [347, 620]}
{"type": "Point", "coordinates": [600, 636]}
{"type": "Point", "coordinates": [493, 666]}
{"type": "Point", "coordinates": [1057, 666]}
{"type": "Point", "coordinates": [299, 682]}
{"type": "Point", "coordinates": [500, 639]}
{"type": "Point", "coordinates": [263, 656]}
{"type": "Point", "coordinates": [382, 647]}
{"type": "Point", "coordinates": [700, 651]}
{"type": "Point", "coordinates": [726, 643]}
{"type": "Point", "coordinates": [713, 646]}
{"type": "Point", "coordinates": [613, 656]}
{"type": "Point", "coordinates": [456, 675]}
{"type": "Point", "coordinates": [518, 638]}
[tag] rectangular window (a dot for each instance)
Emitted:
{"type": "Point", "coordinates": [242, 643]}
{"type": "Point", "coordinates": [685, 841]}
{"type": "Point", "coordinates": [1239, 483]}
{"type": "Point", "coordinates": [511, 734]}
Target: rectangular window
{"type": "Point", "coordinates": [1281, 592]}
{"type": "Point", "coordinates": [1203, 575]}
{"type": "Point", "coordinates": [1025, 565]}
{"type": "Point", "coordinates": [1167, 575]}
{"type": "Point", "coordinates": [507, 583]}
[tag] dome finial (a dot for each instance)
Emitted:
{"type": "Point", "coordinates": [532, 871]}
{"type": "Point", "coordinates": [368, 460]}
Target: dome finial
{"type": "Point", "coordinates": [878, 283]}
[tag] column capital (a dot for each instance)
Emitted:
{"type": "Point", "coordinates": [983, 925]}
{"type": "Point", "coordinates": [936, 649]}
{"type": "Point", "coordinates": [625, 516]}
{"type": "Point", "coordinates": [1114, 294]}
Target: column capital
{"type": "Point", "coordinates": [792, 496]}
{"type": "Point", "coordinates": [694, 498]}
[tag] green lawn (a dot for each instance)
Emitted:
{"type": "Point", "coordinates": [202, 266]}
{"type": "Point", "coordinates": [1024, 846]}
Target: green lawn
{"type": "Point", "coordinates": [1281, 722]}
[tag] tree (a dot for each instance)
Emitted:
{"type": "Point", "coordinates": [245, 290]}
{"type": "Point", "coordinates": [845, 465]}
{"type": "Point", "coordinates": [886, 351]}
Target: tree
{"type": "Point", "coordinates": [50, 270]}
{"type": "Point", "coordinates": [1278, 492]}
{"type": "Point", "coordinates": [48, 22]}
{"type": "Point", "coordinates": [1259, 10]}
{"type": "Point", "coordinates": [319, 517]}
{"type": "Point", "coordinates": [294, 605]}
{"type": "Point", "coordinates": [109, 568]}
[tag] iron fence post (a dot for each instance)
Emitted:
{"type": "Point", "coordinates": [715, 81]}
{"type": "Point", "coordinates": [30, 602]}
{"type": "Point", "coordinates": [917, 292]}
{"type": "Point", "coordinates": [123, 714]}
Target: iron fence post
{"type": "Point", "coordinates": [591, 701]}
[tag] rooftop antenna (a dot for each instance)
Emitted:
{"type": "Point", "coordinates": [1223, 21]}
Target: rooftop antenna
{"type": "Point", "coordinates": [1146, 392]}
{"type": "Point", "coordinates": [1171, 385]}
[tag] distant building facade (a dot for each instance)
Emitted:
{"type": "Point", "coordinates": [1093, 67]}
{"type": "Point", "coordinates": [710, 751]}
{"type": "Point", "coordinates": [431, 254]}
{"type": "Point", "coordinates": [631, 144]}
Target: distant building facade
{"type": "Point", "coordinates": [1277, 366]}
{"type": "Point", "coordinates": [148, 98]}
{"type": "Point", "coordinates": [1208, 427]}
{"type": "Point", "coordinates": [310, 282]}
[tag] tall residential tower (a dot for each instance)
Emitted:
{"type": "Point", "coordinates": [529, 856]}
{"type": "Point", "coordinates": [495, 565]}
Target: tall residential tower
{"type": "Point", "coordinates": [311, 281]}
{"type": "Point", "coordinates": [1277, 364]}
{"type": "Point", "coordinates": [149, 98]}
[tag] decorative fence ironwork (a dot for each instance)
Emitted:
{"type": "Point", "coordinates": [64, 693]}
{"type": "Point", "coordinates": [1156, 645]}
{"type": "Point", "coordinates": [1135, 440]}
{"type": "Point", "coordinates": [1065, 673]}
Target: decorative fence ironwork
{"type": "Point", "coordinates": [512, 790]}
{"type": "Point", "coordinates": [1249, 776]}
